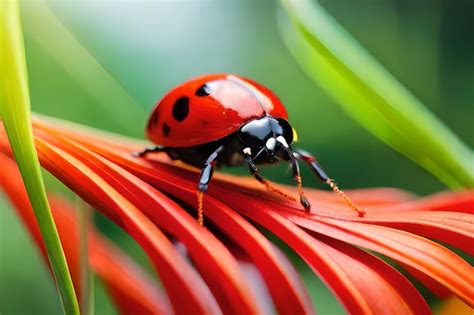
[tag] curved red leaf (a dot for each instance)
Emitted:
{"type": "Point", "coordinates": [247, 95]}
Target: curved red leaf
{"type": "Point", "coordinates": [179, 279]}
{"type": "Point", "coordinates": [453, 228]}
{"type": "Point", "coordinates": [434, 286]}
{"type": "Point", "coordinates": [390, 216]}
{"type": "Point", "coordinates": [132, 291]}
{"type": "Point", "coordinates": [346, 291]}
{"type": "Point", "coordinates": [347, 276]}
{"type": "Point", "coordinates": [426, 256]}
{"type": "Point", "coordinates": [459, 201]}
{"type": "Point", "coordinates": [213, 260]}
{"type": "Point", "coordinates": [284, 292]}
{"type": "Point", "coordinates": [129, 286]}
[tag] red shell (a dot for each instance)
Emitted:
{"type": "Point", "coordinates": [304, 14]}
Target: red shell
{"type": "Point", "coordinates": [231, 102]}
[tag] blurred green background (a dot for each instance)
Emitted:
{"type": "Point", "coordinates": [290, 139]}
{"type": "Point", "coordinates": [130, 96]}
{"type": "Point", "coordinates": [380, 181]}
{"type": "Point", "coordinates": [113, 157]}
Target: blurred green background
{"type": "Point", "coordinates": [149, 47]}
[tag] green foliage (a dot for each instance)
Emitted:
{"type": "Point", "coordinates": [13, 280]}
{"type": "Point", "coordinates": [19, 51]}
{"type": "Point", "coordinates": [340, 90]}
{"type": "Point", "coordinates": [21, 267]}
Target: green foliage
{"type": "Point", "coordinates": [371, 95]}
{"type": "Point", "coordinates": [15, 113]}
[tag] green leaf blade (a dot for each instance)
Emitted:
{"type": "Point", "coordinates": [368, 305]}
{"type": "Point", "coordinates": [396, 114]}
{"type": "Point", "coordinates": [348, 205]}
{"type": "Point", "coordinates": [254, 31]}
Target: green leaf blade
{"type": "Point", "coordinates": [16, 116]}
{"type": "Point", "coordinates": [372, 96]}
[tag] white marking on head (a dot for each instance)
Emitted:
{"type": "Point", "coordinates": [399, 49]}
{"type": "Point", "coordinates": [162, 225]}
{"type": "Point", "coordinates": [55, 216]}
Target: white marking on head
{"type": "Point", "coordinates": [247, 151]}
{"type": "Point", "coordinates": [271, 144]}
{"type": "Point", "coordinates": [282, 141]}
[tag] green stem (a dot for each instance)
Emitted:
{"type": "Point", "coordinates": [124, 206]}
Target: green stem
{"type": "Point", "coordinates": [15, 112]}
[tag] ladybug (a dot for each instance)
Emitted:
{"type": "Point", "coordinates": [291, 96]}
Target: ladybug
{"type": "Point", "coordinates": [231, 120]}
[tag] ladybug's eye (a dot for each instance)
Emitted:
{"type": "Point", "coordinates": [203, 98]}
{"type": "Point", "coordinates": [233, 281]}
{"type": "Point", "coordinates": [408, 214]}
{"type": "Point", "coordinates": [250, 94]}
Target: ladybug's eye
{"type": "Point", "coordinates": [282, 127]}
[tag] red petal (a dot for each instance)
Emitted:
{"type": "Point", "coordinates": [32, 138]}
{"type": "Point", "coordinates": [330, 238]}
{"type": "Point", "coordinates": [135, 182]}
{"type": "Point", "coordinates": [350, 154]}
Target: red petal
{"type": "Point", "coordinates": [335, 220]}
{"type": "Point", "coordinates": [132, 289]}
{"type": "Point", "coordinates": [213, 260]}
{"type": "Point", "coordinates": [426, 256]}
{"type": "Point", "coordinates": [362, 288]}
{"type": "Point", "coordinates": [349, 295]}
{"type": "Point", "coordinates": [130, 164]}
{"type": "Point", "coordinates": [461, 201]}
{"type": "Point", "coordinates": [453, 228]}
{"type": "Point", "coordinates": [349, 257]}
{"type": "Point", "coordinates": [434, 286]}
{"type": "Point", "coordinates": [283, 289]}
{"type": "Point", "coordinates": [179, 279]}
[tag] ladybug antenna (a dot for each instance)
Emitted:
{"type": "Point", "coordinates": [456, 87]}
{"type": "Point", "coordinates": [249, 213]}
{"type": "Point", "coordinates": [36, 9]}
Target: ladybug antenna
{"type": "Point", "coordinates": [259, 152]}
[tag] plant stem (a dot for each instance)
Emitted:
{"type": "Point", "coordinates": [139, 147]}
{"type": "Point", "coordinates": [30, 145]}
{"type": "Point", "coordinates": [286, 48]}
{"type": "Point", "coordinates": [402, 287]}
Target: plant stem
{"type": "Point", "coordinates": [15, 113]}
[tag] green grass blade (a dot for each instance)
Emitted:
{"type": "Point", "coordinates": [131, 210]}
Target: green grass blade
{"type": "Point", "coordinates": [371, 95]}
{"type": "Point", "coordinates": [15, 112]}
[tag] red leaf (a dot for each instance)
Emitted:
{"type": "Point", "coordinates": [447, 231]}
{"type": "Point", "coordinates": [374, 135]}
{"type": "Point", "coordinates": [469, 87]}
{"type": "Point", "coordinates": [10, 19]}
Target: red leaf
{"type": "Point", "coordinates": [461, 201]}
{"type": "Point", "coordinates": [426, 256]}
{"type": "Point", "coordinates": [345, 275]}
{"type": "Point", "coordinates": [214, 261]}
{"type": "Point", "coordinates": [350, 297]}
{"type": "Point", "coordinates": [453, 228]}
{"type": "Point", "coordinates": [328, 239]}
{"type": "Point", "coordinates": [165, 214]}
{"type": "Point", "coordinates": [131, 289]}
{"type": "Point", "coordinates": [180, 280]}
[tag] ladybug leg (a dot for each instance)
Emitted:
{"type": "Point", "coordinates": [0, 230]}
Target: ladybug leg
{"type": "Point", "coordinates": [312, 162]}
{"type": "Point", "coordinates": [296, 172]}
{"type": "Point", "coordinates": [204, 179]}
{"type": "Point", "coordinates": [143, 153]}
{"type": "Point", "coordinates": [254, 171]}
{"type": "Point", "coordinates": [319, 171]}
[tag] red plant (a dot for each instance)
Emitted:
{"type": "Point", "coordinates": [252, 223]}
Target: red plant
{"type": "Point", "coordinates": [128, 285]}
{"type": "Point", "coordinates": [153, 200]}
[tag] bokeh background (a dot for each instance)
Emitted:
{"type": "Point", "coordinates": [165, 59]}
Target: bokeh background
{"type": "Point", "coordinates": [149, 47]}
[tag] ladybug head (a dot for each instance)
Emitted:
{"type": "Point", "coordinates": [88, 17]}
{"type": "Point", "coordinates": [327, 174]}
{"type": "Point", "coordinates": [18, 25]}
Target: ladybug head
{"type": "Point", "coordinates": [268, 134]}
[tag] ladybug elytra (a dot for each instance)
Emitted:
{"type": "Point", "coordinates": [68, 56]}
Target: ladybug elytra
{"type": "Point", "coordinates": [231, 120]}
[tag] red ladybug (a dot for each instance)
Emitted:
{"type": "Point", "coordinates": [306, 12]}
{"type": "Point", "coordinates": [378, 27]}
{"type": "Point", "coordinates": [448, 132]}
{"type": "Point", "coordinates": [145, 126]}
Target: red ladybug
{"type": "Point", "coordinates": [231, 120]}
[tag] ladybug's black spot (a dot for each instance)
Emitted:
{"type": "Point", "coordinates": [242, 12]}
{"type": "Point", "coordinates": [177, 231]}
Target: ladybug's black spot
{"type": "Point", "coordinates": [166, 130]}
{"type": "Point", "coordinates": [181, 108]}
{"type": "Point", "coordinates": [204, 90]}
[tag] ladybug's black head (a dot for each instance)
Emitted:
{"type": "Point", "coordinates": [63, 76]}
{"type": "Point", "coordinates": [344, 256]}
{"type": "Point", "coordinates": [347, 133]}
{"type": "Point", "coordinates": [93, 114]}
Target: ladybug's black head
{"type": "Point", "coordinates": [267, 134]}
